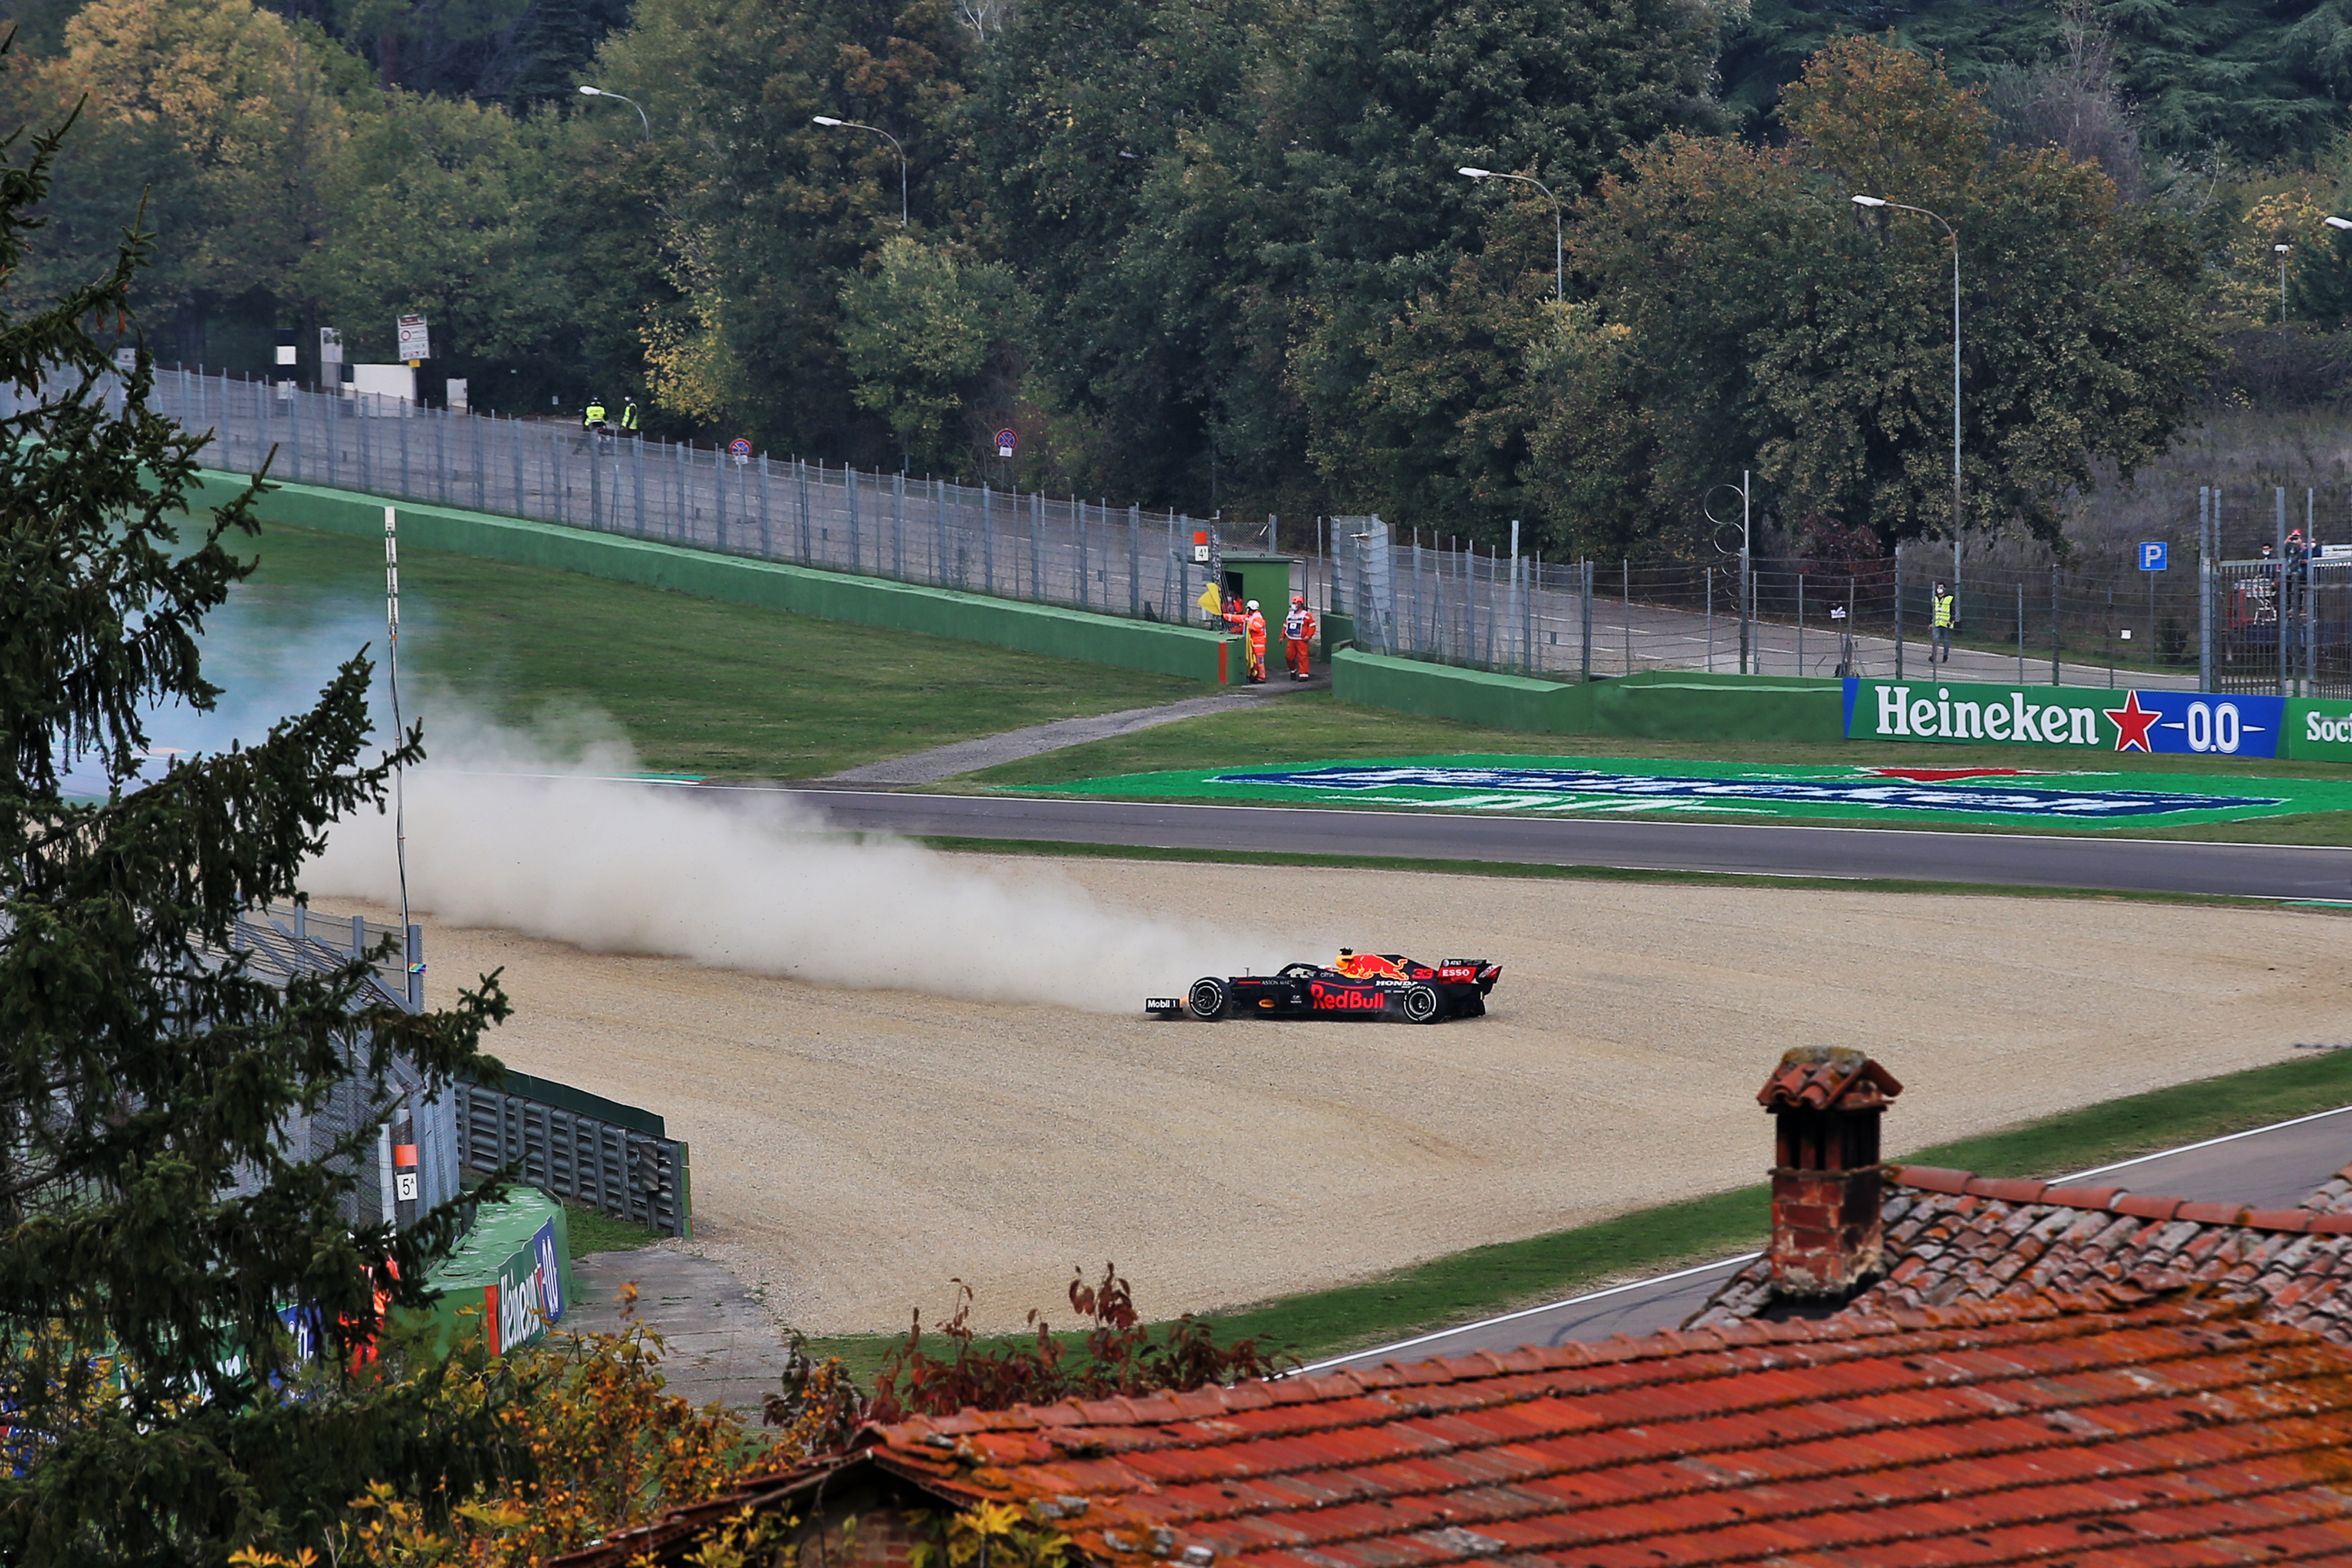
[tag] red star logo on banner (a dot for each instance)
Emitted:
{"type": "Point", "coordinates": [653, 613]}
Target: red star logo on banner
{"type": "Point", "coordinates": [2132, 723]}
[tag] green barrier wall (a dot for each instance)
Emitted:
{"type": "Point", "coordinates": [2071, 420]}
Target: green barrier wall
{"type": "Point", "coordinates": [2319, 729]}
{"type": "Point", "coordinates": [1661, 705]}
{"type": "Point", "coordinates": [500, 1272]}
{"type": "Point", "coordinates": [1158, 648]}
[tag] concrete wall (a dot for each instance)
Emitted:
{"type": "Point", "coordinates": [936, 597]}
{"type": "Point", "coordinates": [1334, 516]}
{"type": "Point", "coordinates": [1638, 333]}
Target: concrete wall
{"type": "Point", "coordinates": [1155, 648]}
{"type": "Point", "coordinates": [1661, 705]}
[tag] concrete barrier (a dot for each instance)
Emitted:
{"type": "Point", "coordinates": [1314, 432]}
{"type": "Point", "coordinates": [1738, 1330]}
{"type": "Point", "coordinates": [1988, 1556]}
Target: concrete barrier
{"type": "Point", "coordinates": [1151, 646]}
{"type": "Point", "coordinates": [1664, 705]}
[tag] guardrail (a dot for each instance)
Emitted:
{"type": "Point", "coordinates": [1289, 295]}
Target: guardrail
{"type": "Point", "coordinates": [598, 1153]}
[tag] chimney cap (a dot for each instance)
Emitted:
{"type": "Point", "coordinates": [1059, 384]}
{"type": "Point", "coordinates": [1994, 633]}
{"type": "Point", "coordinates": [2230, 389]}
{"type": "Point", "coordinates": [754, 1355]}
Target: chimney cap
{"type": "Point", "coordinates": [1826, 1077]}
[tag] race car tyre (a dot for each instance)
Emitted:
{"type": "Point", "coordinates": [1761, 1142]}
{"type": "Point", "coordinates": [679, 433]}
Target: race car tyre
{"type": "Point", "coordinates": [1296, 971]}
{"type": "Point", "coordinates": [1420, 1005]}
{"type": "Point", "coordinates": [1208, 999]}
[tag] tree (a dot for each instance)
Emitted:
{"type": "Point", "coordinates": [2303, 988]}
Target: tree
{"type": "Point", "coordinates": [153, 1225]}
{"type": "Point", "coordinates": [442, 207]}
{"type": "Point", "coordinates": [229, 117]}
{"type": "Point", "coordinates": [765, 216]}
{"type": "Point", "coordinates": [917, 331]}
{"type": "Point", "coordinates": [1223, 205]}
{"type": "Point", "coordinates": [1773, 325]}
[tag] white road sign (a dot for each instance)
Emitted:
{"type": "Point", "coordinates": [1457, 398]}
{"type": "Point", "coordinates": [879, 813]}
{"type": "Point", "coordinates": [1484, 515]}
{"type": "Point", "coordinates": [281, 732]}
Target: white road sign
{"type": "Point", "coordinates": [415, 341]}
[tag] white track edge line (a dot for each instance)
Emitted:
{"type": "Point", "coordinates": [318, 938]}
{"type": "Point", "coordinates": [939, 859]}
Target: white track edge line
{"type": "Point", "coordinates": [1751, 1257]}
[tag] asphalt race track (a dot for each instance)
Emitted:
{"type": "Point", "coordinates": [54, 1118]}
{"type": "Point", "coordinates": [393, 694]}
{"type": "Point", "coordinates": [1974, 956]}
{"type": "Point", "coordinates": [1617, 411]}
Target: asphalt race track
{"type": "Point", "coordinates": [2118, 864]}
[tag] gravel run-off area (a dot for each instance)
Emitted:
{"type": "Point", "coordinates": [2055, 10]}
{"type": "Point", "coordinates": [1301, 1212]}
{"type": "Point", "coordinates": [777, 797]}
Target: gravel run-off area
{"type": "Point", "coordinates": [855, 1151]}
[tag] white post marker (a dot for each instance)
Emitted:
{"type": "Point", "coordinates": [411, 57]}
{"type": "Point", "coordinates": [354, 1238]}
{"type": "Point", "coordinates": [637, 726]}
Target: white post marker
{"type": "Point", "coordinates": [391, 669]}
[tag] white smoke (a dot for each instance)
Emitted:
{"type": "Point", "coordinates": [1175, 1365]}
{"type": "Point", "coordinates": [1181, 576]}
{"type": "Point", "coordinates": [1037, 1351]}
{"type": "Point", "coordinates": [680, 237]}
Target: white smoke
{"type": "Point", "coordinates": [501, 836]}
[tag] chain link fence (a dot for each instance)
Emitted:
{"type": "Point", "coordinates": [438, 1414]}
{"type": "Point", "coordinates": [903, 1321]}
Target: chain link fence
{"type": "Point", "coordinates": [2235, 624]}
{"type": "Point", "coordinates": [1056, 550]}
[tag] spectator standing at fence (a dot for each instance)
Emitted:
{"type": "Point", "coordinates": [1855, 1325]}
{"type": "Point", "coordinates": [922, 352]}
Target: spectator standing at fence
{"type": "Point", "coordinates": [1255, 626]}
{"type": "Point", "coordinates": [1297, 632]}
{"type": "Point", "coordinates": [1947, 616]}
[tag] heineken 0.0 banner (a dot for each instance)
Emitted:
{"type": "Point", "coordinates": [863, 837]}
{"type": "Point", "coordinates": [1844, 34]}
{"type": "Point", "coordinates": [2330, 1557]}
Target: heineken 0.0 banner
{"type": "Point", "coordinates": [2076, 717]}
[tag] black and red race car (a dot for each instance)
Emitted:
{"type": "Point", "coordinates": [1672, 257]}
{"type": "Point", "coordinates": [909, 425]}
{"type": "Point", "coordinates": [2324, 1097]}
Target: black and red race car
{"type": "Point", "coordinates": [1354, 986]}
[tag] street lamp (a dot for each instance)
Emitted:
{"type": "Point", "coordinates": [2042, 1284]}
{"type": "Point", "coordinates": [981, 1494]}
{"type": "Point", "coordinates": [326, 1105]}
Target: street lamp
{"type": "Point", "coordinates": [1558, 265]}
{"type": "Point", "coordinates": [587, 91]}
{"type": "Point", "coordinates": [1955, 237]}
{"type": "Point", "coordinates": [830, 123]}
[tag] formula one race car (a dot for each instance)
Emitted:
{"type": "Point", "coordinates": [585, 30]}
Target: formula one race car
{"type": "Point", "coordinates": [1354, 986]}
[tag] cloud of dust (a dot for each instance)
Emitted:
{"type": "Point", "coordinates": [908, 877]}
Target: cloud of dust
{"type": "Point", "coordinates": [501, 835]}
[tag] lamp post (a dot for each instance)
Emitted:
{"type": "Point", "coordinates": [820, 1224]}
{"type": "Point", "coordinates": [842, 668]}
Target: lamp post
{"type": "Point", "coordinates": [830, 123]}
{"type": "Point", "coordinates": [587, 91]}
{"type": "Point", "coordinates": [2280, 249]}
{"type": "Point", "coordinates": [1954, 236]}
{"type": "Point", "coordinates": [1559, 264]}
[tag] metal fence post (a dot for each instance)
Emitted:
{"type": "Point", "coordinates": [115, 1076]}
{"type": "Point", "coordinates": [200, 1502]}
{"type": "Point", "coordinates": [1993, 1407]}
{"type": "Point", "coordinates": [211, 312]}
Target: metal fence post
{"type": "Point", "coordinates": [1898, 612]}
{"type": "Point", "coordinates": [849, 497]}
{"type": "Point", "coordinates": [595, 489]}
{"type": "Point", "coordinates": [800, 482]}
{"type": "Point", "coordinates": [899, 525]}
{"type": "Point", "coordinates": [514, 442]}
{"type": "Point", "coordinates": [2056, 675]}
{"type": "Point", "coordinates": [2206, 541]}
{"type": "Point", "coordinates": [1036, 547]}
{"type": "Point", "coordinates": [405, 407]}
{"type": "Point", "coordinates": [2279, 603]}
{"type": "Point", "coordinates": [2021, 631]}
{"type": "Point", "coordinates": [987, 538]}
{"type": "Point", "coordinates": [1134, 561]}
{"type": "Point", "coordinates": [1584, 575]}
{"type": "Point", "coordinates": [767, 547]}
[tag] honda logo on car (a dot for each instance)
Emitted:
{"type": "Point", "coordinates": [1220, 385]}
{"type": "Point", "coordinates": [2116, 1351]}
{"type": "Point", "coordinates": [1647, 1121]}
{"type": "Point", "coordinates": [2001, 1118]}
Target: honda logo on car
{"type": "Point", "coordinates": [2132, 720]}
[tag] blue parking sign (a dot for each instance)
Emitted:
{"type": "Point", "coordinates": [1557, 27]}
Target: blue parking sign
{"type": "Point", "coordinates": [2151, 555]}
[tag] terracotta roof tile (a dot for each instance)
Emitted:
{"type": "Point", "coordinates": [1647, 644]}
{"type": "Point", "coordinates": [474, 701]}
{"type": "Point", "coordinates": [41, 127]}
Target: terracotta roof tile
{"type": "Point", "coordinates": [2075, 1429]}
{"type": "Point", "coordinates": [1815, 1077]}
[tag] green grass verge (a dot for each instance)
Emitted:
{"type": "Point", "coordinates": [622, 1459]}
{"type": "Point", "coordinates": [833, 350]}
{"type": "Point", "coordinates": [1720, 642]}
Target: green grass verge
{"type": "Point", "coordinates": [1312, 726]}
{"type": "Point", "coordinates": [1486, 1281]}
{"type": "Point", "coordinates": [592, 1230]}
{"type": "Point", "coordinates": [697, 686]}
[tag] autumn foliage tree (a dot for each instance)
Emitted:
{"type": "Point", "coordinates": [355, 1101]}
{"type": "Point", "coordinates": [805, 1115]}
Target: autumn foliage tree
{"type": "Point", "coordinates": [1772, 324]}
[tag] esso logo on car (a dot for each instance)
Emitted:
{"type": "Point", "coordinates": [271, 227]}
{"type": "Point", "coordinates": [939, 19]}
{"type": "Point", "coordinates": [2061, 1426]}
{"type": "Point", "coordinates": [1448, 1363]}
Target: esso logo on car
{"type": "Point", "coordinates": [1458, 971]}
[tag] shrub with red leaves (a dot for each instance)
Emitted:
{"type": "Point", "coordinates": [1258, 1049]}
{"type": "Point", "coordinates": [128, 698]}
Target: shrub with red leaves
{"type": "Point", "coordinates": [1119, 1355]}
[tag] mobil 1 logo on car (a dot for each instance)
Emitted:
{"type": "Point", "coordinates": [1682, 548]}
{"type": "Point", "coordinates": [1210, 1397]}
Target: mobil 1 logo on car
{"type": "Point", "coordinates": [2069, 716]}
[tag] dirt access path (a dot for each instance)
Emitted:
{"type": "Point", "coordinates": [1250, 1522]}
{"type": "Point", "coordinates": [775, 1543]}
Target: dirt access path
{"type": "Point", "coordinates": [853, 1151]}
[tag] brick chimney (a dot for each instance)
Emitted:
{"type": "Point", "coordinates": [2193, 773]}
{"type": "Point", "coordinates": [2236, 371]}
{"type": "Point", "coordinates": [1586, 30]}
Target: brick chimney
{"type": "Point", "coordinates": [1826, 1103]}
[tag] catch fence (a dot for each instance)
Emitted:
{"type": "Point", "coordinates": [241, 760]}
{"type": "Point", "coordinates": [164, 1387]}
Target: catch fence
{"type": "Point", "coordinates": [2206, 621]}
{"type": "Point", "coordinates": [1015, 544]}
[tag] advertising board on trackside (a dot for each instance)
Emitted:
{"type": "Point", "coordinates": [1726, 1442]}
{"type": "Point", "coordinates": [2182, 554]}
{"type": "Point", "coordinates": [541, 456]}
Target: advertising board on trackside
{"type": "Point", "coordinates": [2186, 722]}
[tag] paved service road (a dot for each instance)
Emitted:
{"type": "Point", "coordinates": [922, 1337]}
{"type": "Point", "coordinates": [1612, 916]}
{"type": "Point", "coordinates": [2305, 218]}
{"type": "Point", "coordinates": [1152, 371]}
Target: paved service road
{"type": "Point", "coordinates": [2255, 870]}
{"type": "Point", "coordinates": [2270, 1167]}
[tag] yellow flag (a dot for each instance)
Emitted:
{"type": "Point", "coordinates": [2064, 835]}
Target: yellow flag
{"type": "Point", "coordinates": [1211, 601]}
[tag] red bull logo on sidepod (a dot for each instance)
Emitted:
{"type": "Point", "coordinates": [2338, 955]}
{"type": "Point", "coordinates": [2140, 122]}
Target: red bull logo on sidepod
{"type": "Point", "coordinates": [1344, 999]}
